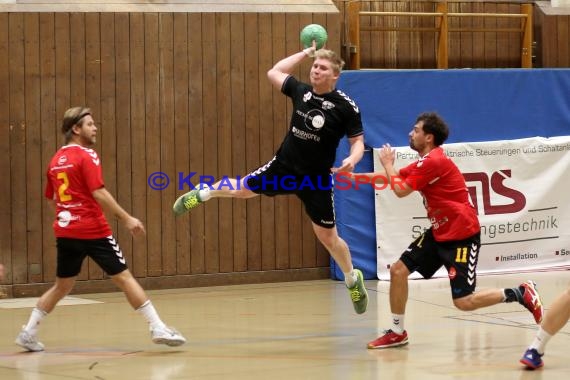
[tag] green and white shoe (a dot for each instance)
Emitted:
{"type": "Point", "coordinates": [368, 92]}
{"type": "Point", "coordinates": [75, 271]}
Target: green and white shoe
{"type": "Point", "coordinates": [358, 294]}
{"type": "Point", "coordinates": [186, 202]}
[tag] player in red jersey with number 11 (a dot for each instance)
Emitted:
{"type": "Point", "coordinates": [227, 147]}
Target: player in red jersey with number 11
{"type": "Point", "coordinates": [453, 240]}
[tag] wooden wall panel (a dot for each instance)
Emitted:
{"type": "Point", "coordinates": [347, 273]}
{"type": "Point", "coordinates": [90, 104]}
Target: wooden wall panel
{"type": "Point", "coordinates": [552, 35]}
{"type": "Point", "coordinates": [17, 150]}
{"type": "Point", "coordinates": [224, 144]}
{"type": "Point", "coordinates": [123, 129]}
{"type": "Point", "coordinates": [416, 50]}
{"type": "Point", "coordinates": [170, 92]}
{"type": "Point", "coordinates": [5, 165]}
{"type": "Point", "coordinates": [167, 249]}
{"type": "Point", "coordinates": [138, 141]}
{"type": "Point", "coordinates": [33, 102]}
{"type": "Point", "coordinates": [238, 137]}
{"type": "Point", "coordinates": [254, 76]}
{"type": "Point", "coordinates": [152, 156]}
{"type": "Point", "coordinates": [181, 134]}
{"type": "Point", "coordinates": [198, 142]}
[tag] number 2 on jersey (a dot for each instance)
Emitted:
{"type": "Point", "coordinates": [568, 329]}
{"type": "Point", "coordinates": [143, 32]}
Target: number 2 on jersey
{"type": "Point", "coordinates": [61, 190]}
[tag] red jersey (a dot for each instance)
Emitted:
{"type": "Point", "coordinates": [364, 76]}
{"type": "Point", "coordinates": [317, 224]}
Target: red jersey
{"type": "Point", "coordinates": [445, 194]}
{"type": "Point", "coordinates": [73, 174]}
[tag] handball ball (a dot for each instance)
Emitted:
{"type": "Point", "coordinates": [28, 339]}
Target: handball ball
{"type": "Point", "coordinates": [313, 32]}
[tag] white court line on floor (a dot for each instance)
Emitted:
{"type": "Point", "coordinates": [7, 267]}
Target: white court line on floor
{"type": "Point", "coordinates": [20, 303]}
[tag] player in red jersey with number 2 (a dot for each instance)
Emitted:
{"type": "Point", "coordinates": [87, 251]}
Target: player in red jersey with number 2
{"type": "Point", "coordinates": [76, 192]}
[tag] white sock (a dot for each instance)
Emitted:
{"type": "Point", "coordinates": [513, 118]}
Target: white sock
{"type": "Point", "coordinates": [539, 342]}
{"type": "Point", "coordinates": [350, 278]}
{"type": "Point", "coordinates": [204, 193]}
{"type": "Point", "coordinates": [151, 315]}
{"type": "Point", "coordinates": [398, 323]}
{"type": "Point", "coordinates": [34, 321]}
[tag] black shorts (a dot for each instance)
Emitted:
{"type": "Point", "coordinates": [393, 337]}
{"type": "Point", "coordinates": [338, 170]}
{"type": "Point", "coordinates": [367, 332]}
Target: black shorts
{"type": "Point", "coordinates": [314, 190]}
{"type": "Point", "coordinates": [105, 252]}
{"type": "Point", "coordinates": [426, 256]}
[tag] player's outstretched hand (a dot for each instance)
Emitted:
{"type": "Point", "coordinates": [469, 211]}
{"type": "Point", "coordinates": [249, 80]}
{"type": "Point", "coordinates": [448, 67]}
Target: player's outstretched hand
{"type": "Point", "coordinates": [135, 226]}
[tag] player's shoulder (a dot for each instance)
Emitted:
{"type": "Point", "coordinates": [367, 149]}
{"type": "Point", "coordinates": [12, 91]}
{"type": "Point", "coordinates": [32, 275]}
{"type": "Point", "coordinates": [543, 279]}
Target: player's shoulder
{"type": "Point", "coordinates": [343, 98]}
{"type": "Point", "coordinates": [83, 153]}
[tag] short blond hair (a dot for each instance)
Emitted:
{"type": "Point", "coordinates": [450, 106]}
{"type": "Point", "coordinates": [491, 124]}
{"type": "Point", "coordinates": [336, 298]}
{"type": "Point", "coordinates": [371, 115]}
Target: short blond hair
{"type": "Point", "coordinates": [332, 57]}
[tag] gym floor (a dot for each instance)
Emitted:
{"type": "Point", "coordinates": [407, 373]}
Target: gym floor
{"type": "Point", "coordinates": [296, 330]}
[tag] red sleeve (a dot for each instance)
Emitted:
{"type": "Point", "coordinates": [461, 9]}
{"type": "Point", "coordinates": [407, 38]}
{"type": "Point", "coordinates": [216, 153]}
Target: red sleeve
{"type": "Point", "coordinates": [92, 173]}
{"type": "Point", "coordinates": [49, 193]}
{"type": "Point", "coordinates": [420, 173]}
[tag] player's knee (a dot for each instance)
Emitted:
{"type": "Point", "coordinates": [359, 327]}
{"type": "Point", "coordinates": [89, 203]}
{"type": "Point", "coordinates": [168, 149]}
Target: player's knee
{"type": "Point", "coordinates": [399, 271]}
{"type": "Point", "coordinates": [464, 304]}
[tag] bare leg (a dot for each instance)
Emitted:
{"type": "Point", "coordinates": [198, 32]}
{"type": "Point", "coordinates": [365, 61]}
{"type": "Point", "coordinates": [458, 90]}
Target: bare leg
{"type": "Point", "coordinates": [60, 289]}
{"type": "Point", "coordinates": [398, 287]}
{"type": "Point", "coordinates": [558, 314]}
{"type": "Point", "coordinates": [336, 246]}
{"type": "Point", "coordinates": [477, 300]}
{"type": "Point", "coordinates": [130, 286]}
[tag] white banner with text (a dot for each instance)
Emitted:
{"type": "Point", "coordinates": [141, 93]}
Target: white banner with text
{"type": "Point", "coordinates": [521, 190]}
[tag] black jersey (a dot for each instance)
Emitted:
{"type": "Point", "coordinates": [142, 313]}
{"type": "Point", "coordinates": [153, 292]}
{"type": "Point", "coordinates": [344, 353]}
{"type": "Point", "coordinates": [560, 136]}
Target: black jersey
{"type": "Point", "coordinates": [317, 125]}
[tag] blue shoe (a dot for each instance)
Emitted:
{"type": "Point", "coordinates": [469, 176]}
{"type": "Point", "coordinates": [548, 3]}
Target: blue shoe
{"type": "Point", "coordinates": [532, 359]}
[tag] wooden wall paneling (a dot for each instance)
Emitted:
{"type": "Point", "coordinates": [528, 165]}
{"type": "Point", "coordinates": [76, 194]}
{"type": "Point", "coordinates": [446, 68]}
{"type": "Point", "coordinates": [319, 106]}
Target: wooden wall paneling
{"type": "Point", "coordinates": [47, 135]}
{"type": "Point", "coordinates": [52, 138]}
{"type": "Point", "coordinates": [266, 125]}
{"type": "Point", "coordinates": [167, 134]}
{"type": "Point", "coordinates": [404, 47]}
{"type": "Point", "coordinates": [514, 40]}
{"type": "Point", "coordinates": [152, 66]}
{"type": "Point", "coordinates": [490, 37]}
{"type": "Point", "coordinates": [225, 146]}
{"type": "Point", "coordinates": [415, 37]}
{"type": "Point", "coordinates": [428, 40]}
{"type": "Point", "coordinates": [563, 40]}
{"type": "Point", "coordinates": [18, 148]}
{"type": "Point", "coordinates": [280, 128]}
{"type": "Point", "coordinates": [35, 81]}
{"type": "Point", "coordinates": [238, 139]}
{"type": "Point", "coordinates": [48, 131]}
{"type": "Point", "coordinates": [198, 132]}
{"type": "Point", "coordinates": [181, 142]}
{"type": "Point", "coordinates": [78, 57]}
{"type": "Point", "coordinates": [5, 146]}
{"type": "Point", "coordinates": [466, 38]}
{"type": "Point", "coordinates": [478, 37]}
{"type": "Point", "coordinates": [367, 47]}
{"type": "Point", "coordinates": [254, 79]}
{"type": "Point", "coordinates": [138, 143]}
{"type": "Point", "coordinates": [548, 41]}
{"type": "Point", "coordinates": [454, 38]}
{"type": "Point", "coordinates": [106, 119]}
{"type": "Point", "coordinates": [211, 140]}
{"type": "Point", "coordinates": [538, 19]}
{"type": "Point", "coordinates": [123, 129]}
{"type": "Point", "coordinates": [503, 38]}
{"type": "Point", "coordinates": [93, 100]}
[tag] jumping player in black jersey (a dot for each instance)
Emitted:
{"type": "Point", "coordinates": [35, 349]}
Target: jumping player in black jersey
{"type": "Point", "coordinates": [303, 165]}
